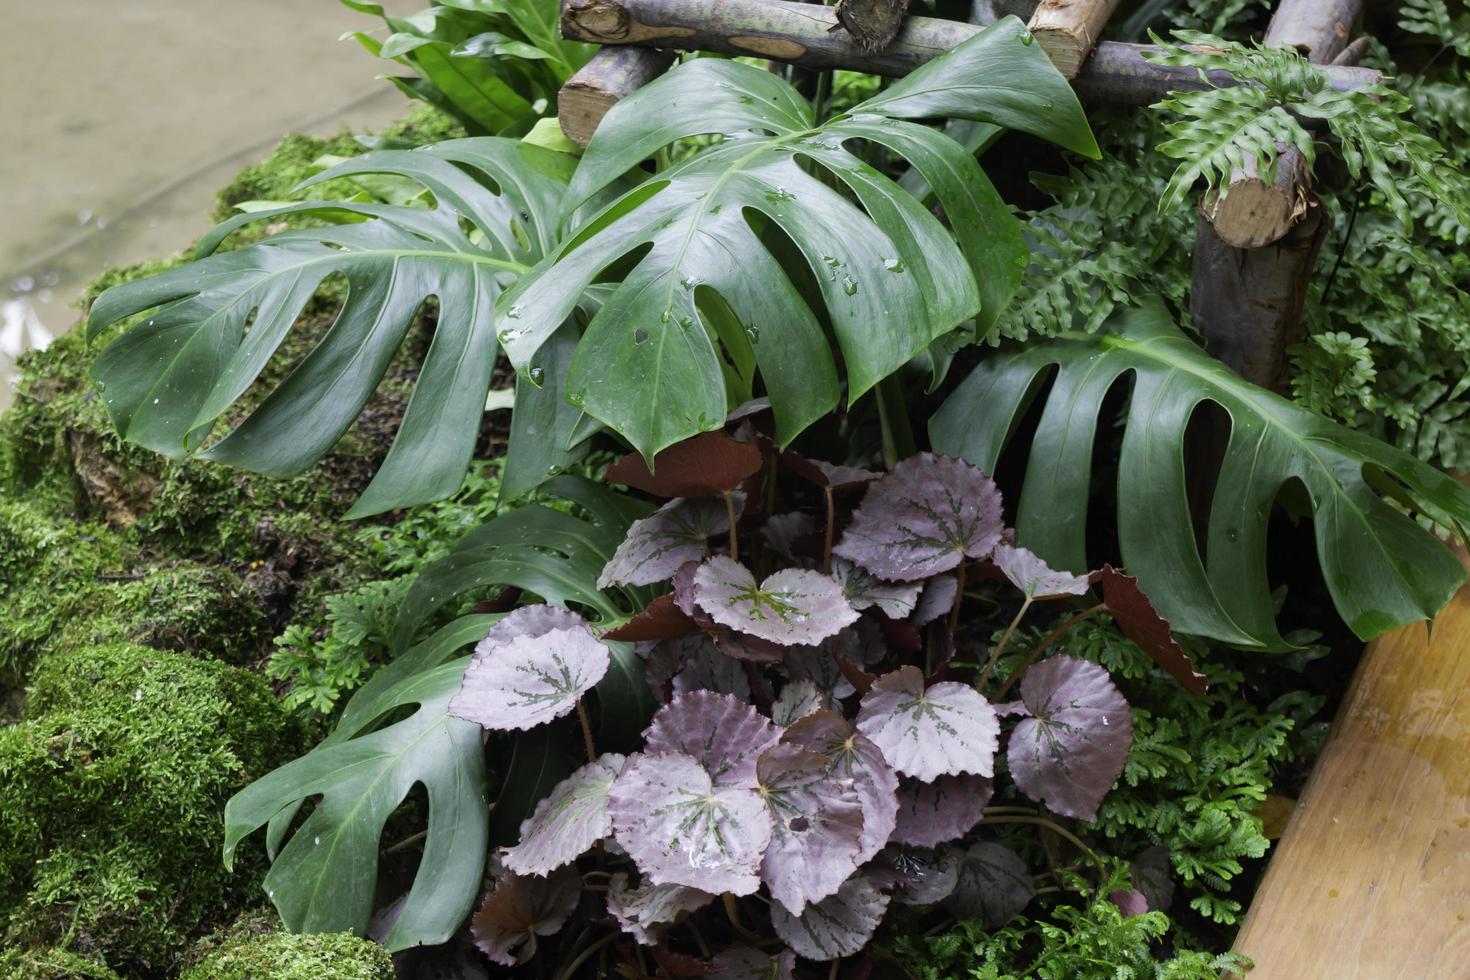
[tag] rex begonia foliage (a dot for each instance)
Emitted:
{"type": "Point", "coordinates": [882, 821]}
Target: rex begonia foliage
{"type": "Point", "coordinates": [827, 735]}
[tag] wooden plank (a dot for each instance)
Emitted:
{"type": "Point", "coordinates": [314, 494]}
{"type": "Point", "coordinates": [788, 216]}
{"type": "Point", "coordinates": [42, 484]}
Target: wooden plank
{"type": "Point", "coordinates": [1371, 880]}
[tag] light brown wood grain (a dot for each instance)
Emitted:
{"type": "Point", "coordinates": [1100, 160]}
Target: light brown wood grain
{"type": "Point", "coordinates": [1067, 30]}
{"type": "Point", "coordinates": [1371, 880]}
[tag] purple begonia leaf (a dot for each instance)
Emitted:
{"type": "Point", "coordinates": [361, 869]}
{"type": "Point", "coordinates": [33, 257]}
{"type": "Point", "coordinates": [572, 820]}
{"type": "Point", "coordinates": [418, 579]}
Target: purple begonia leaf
{"type": "Point", "coordinates": [1035, 577]}
{"type": "Point", "coordinates": [916, 876]}
{"type": "Point", "coordinates": [1130, 901]}
{"type": "Point", "coordinates": [944, 810]}
{"type": "Point", "coordinates": [747, 408]}
{"type": "Point", "coordinates": [946, 729]}
{"type": "Point", "coordinates": [520, 909]}
{"type": "Point", "coordinates": [817, 821]}
{"type": "Point", "coordinates": [744, 963]}
{"type": "Point", "coordinates": [532, 621]}
{"type": "Point", "coordinates": [862, 643]}
{"type": "Point", "coordinates": [683, 591]}
{"type": "Point", "coordinates": [706, 668]}
{"type": "Point", "coordinates": [1072, 749]}
{"type": "Point", "coordinates": [818, 665]}
{"type": "Point", "coordinates": [856, 758]}
{"type": "Point", "coordinates": [568, 821]}
{"type": "Point", "coordinates": [792, 606]}
{"type": "Point", "coordinates": [825, 474]}
{"type": "Point", "coordinates": [680, 828]}
{"type": "Point", "coordinates": [837, 926]}
{"type": "Point", "coordinates": [743, 646]}
{"type": "Point", "coordinates": [1008, 708]}
{"type": "Point", "coordinates": [676, 533]}
{"type": "Point", "coordinates": [782, 532]}
{"type": "Point", "coordinates": [863, 591]}
{"type": "Point", "coordinates": [645, 911]}
{"type": "Point", "coordinates": [797, 700]}
{"type": "Point", "coordinates": [722, 733]}
{"type": "Point", "coordinates": [1153, 875]}
{"type": "Point", "coordinates": [936, 600]}
{"type": "Point", "coordinates": [925, 517]}
{"type": "Point", "coordinates": [529, 680]}
{"type": "Point", "coordinates": [993, 886]}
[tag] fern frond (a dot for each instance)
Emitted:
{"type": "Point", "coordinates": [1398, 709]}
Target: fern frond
{"type": "Point", "coordinates": [1223, 130]}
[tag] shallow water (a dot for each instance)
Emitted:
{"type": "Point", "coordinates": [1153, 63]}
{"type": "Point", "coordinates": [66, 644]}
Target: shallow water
{"type": "Point", "coordinates": [121, 118]}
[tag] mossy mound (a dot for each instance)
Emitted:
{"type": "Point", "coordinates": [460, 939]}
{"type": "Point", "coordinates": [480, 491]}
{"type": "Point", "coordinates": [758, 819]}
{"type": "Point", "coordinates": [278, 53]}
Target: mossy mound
{"type": "Point", "coordinates": [256, 948]}
{"type": "Point", "coordinates": [51, 964]}
{"type": "Point", "coordinates": [115, 777]}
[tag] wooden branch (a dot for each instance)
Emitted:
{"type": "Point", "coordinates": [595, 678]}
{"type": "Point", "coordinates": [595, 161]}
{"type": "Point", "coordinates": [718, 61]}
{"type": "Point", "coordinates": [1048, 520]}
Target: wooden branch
{"type": "Point", "coordinates": [873, 24]}
{"type": "Point", "coordinates": [1247, 303]}
{"type": "Point", "coordinates": [1254, 212]}
{"type": "Point", "coordinates": [802, 34]}
{"type": "Point", "coordinates": [1068, 29]}
{"type": "Point", "coordinates": [612, 75]}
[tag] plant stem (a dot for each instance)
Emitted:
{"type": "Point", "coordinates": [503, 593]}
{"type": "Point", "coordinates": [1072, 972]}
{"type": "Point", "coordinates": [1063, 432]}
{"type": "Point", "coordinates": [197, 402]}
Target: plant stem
{"type": "Point", "coordinates": [1041, 646]}
{"type": "Point", "coordinates": [734, 535]}
{"type": "Point", "coordinates": [1051, 825]}
{"type": "Point", "coordinates": [827, 541]}
{"type": "Point", "coordinates": [893, 418]}
{"type": "Point", "coordinates": [733, 914]}
{"type": "Point", "coordinates": [408, 841]}
{"type": "Point", "coordinates": [585, 955]}
{"type": "Point", "coordinates": [959, 597]}
{"type": "Point", "coordinates": [1001, 646]}
{"type": "Point", "coordinates": [586, 732]}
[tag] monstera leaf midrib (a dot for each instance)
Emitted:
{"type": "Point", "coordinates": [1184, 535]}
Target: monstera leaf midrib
{"type": "Point", "coordinates": [1382, 570]}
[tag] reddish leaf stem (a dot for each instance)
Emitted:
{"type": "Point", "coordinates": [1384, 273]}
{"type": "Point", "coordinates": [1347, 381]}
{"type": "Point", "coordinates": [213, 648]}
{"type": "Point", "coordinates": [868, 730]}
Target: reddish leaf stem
{"type": "Point", "coordinates": [827, 541]}
{"type": "Point", "coordinates": [1041, 646]}
{"type": "Point", "coordinates": [734, 535]}
{"type": "Point", "coordinates": [586, 732]}
{"type": "Point", "coordinates": [959, 597]}
{"type": "Point", "coordinates": [1001, 646]}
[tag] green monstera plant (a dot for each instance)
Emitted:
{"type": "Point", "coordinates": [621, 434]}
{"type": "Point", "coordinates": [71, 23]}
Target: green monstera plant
{"type": "Point", "coordinates": [1382, 569]}
{"type": "Point", "coordinates": [733, 235]}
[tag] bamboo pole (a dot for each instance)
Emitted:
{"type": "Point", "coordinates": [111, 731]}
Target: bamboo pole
{"type": "Point", "coordinates": [612, 75]}
{"type": "Point", "coordinates": [1068, 29]}
{"type": "Point", "coordinates": [803, 34]}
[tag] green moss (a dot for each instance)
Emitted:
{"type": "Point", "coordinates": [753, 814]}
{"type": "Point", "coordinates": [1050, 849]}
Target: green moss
{"type": "Point", "coordinates": [256, 948]}
{"type": "Point", "coordinates": [51, 964]}
{"type": "Point", "coordinates": [116, 777]}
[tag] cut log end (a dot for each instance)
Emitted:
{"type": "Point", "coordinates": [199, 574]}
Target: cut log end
{"type": "Point", "coordinates": [1066, 50]}
{"type": "Point", "coordinates": [1256, 212]}
{"type": "Point", "coordinates": [611, 76]}
{"type": "Point", "coordinates": [1068, 29]}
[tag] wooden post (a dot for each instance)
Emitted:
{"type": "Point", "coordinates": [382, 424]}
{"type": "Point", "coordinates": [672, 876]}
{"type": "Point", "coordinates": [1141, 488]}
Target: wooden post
{"type": "Point", "coordinates": [611, 76]}
{"type": "Point", "coordinates": [1068, 29]}
{"type": "Point", "coordinates": [1371, 880]}
{"type": "Point", "coordinates": [1254, 211]}
{"type": "Point", "coordinates": [802, 34]}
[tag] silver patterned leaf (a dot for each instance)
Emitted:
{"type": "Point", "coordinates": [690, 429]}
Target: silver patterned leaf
{"type": "Point", "coordinates": [797, 700]}
{"type": "Point", "coordinates": [838, 926]}
{"type": "Point", "coordinates": [924, 517]}
{"type": "Point", "coordinates": [536, 620]}
{"type": "Point", "coordinates": [646, 911]}
{"type": "Point", "coordinates": [916, 875]}
{"type": "Point", "coordinates": [825, 474]}
{"type": "Point", "coordinates": [945, 729]}
{"type": "Point", "coordinates": [854, 757]}
{"type": "Point", "coordinates": [571, 818]}
{"type": "Point", "coordinates": [993, 886]}
{"type": "Point", "coordinates": [817, 824]}
{"type": "Point", "coordinates": [682, 829]}
{"type": "Point", "coordinates": [941, 811]}
{"type": "Point", "coordinates": [792, 606]}
{"type": "Point", "coordinates": [521, 908]}
{"type": "Point", "coordinates": [658, 545]}
{"type": "Point", "coordinates": [531, 679]}
{"type": "Point", "coordinates": [1035, 577]}
{"type": "Point", "coordinates": [704, 667]}
{"type": "Point", "coordinates": [1072, 749]}
{"type": "Point", "coordinates": [781, 532]}
{"type": "Point", "coordinates": [893, 599]}
{"type": "Point", "coordinates": [935, 600]}
{"type": "Point", "coordinates": [723, 733]}
{"type": "Point", "coordinates": [744, 963]}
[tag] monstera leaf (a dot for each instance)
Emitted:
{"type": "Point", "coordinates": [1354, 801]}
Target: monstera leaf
{"type": "Point", "coordinates": [324, 871]}
{"type": "Point", "coordinates": [678, 342]}
{"type": "Point", "coordinates": [216, 323]}
{"type": "Point", "coordinates": [1382, 569]}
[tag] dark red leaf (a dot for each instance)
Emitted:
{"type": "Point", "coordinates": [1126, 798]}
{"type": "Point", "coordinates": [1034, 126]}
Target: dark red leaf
{"type": "Point", "coordinates": [709, 463]}
{"type": "Point", "coordinates": [825, 474]}
{"type": "Point", "coordinates": [1130, 901]}
{"type": "Point", "coordinates": [681, 965]}
{"type": "Point", "coordinates": [662, 619]}
{"type": "Point", "coordinates": [1143, 625]}
{"type": "Point", "coordinates": [860, 679]}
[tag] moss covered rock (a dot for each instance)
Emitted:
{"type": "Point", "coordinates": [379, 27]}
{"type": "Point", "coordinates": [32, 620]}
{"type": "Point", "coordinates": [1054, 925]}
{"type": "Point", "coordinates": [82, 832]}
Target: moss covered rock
{"type": "Point", "coordinates": [256, 948]}
{"type": "Point", "coordinates": [115, 779]}
{"type": "Point", "coordinates": [51, 964]}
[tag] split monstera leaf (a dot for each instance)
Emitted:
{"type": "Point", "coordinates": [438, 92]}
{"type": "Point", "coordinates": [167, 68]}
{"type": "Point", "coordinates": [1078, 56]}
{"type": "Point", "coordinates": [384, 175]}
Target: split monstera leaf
{"type": "Point", "coordinates": [799, 749]}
